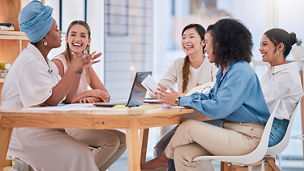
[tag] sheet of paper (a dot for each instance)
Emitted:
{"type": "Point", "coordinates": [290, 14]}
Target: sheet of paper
{"type": "Point", "coordinates": [149, 84]}
{"type": "Point", "coordinates": [68, 107]}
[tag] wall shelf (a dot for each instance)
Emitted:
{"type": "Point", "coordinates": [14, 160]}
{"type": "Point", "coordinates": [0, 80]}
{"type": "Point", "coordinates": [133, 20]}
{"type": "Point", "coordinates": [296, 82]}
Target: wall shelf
{"type": "Point", "coordinates": [12, 35]}
{"type": "Point", "coordinates": [2, 80]}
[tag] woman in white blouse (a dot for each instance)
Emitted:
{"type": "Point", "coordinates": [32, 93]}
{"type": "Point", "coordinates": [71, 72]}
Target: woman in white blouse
{"type": "Point", "coordinates": [194, 69]}
{"type": "Point", "coordinates": [281, 83]}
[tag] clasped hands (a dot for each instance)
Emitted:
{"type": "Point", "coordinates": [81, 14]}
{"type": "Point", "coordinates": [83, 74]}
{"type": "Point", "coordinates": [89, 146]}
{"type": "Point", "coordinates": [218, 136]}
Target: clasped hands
{"type": "Point", "coordinates": [92, 96]}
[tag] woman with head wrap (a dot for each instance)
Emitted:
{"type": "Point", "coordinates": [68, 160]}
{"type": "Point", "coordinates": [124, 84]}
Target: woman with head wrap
{"type": "Point", "coordinates": [33, 80]}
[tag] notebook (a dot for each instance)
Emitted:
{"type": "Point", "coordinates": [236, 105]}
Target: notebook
{"type": "Point", "coordinates": [137, 93]}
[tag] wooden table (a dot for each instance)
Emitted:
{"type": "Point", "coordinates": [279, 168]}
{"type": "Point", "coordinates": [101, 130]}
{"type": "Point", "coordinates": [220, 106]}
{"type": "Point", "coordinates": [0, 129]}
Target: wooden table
{"type": "Point", "coordinates": [92, 117]}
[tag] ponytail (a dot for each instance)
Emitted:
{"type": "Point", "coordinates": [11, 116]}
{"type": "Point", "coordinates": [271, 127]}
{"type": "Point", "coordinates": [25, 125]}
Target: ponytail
{"type": "Point", "coordinates": [185, 72]}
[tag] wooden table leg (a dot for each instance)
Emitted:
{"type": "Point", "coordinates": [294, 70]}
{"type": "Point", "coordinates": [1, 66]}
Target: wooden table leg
{"type": "Point", "coordinates": [5, 136]}
{"type": "Point", "coordinates": [133, 149]}
{"type": "Point", "coordinates": [144, 133]}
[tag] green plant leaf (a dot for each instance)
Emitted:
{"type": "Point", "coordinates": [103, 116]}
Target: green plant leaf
{"type": "Point", "coordinates": [299, 42]}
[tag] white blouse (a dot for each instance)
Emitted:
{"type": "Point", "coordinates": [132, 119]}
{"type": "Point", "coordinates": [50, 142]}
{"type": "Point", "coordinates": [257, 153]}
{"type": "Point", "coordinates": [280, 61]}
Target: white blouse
{"type": "Point", "coordinates": [30, 80]}
{"type": "Point", "coordinates": [203, 74]}
{"type": "Point", "coordinates": [282, 84]}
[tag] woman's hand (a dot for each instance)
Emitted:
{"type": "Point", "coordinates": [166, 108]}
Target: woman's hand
{"type": "Point", "coordinates": [153, 95]}
{"type": "Point", "coordinates": [89, 100]}
{"type": "Point", "coordinates": [156, 93]}
{"type": "Point", "coordinates": [96, 95]}
{"type": "Point", "coordinates": [102, 95]}
{"type": "Point", "coordinates": [168, 97]}
{"type": "Point", "coordinates": [91, 59]}
{"type": "Point", "coordinates": [82, 61]}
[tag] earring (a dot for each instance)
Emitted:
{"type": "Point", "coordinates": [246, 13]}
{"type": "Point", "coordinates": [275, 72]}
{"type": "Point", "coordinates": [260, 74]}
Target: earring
{"type": "Point", "coordinates": [45, 43]}
{"type": "Point", "coordinates": [278, 53]}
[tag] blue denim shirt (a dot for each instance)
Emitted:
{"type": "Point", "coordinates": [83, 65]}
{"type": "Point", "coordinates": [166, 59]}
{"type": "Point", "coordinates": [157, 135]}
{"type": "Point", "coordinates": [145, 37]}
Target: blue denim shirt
{"type": "Point", "coordinates": [236, 96]}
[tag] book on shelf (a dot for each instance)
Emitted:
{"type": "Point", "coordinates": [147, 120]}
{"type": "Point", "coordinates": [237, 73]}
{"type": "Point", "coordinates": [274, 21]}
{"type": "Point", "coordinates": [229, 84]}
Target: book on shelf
{"type": "Point", "coordinates": [7, 26]}
{"type": "Point", "coordinates": [3, 73]}
{"type": "Point", "coordinates": [4, 67]}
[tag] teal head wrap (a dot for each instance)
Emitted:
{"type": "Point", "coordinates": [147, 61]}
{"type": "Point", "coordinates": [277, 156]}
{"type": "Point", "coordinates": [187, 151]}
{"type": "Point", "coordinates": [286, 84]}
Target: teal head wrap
{"type": "Point", "coordinates": [35, 20]}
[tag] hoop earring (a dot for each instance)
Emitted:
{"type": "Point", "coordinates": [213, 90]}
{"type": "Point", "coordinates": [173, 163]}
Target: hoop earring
{"type": "Point", "coordinates": [45, 43]}
{"type": "Point", "coordinates": [277, 53]}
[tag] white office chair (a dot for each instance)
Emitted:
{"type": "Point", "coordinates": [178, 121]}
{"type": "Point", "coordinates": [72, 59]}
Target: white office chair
{"type": "Point", "coordinates": [278, 148]}
{"type": "Point", "coordinates": [251, 158]}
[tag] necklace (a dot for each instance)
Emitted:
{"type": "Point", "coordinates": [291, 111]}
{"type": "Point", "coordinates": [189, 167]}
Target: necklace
{"type": "Point", "coordinates": [49, 70]}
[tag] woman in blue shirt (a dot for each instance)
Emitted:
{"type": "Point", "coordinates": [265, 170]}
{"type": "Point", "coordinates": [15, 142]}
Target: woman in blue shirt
{"type": "Point", "coordinates": [236, 99]}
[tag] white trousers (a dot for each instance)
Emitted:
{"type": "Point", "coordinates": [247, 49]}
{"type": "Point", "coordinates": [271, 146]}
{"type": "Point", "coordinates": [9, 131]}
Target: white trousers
{"type": "Point", "coordinates": [50, 149]}
{"type": "Point", "coordinates": [194, 138]}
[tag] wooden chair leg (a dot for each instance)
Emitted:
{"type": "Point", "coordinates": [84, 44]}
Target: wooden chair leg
{"type": "Point", "coordinates": [7, 162]}
{"type": "Point", "coordinates": [231, 167]}
{"type": "Point", "coordinates": [225, 166]}
{"type": "Point", "coordinates": [144, 133]}
{"type": "Point", "coordinates": [270, 161]}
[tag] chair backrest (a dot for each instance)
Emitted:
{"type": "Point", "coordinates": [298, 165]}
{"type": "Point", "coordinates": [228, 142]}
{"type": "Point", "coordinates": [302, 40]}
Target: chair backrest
{"type": "Point", "coordinates": [278, 148]}
{"type": "Point", "coordinates": [256, 155]}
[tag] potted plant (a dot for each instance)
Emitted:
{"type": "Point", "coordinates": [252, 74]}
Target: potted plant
{"type": "Point", "coordinates": [298, 50]}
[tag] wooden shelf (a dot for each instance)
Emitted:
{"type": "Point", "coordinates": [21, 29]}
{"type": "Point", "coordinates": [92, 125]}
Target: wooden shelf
{"type": "Point", "coordinates": [2, 80]}
{"type": "Point", "coordinates": [12, 35]}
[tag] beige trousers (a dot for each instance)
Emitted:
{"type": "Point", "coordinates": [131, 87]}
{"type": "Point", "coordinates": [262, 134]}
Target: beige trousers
{"type": "Point", "coordinates": [195, 138]}
{"type": "Point", "coordinates": [109, 144]}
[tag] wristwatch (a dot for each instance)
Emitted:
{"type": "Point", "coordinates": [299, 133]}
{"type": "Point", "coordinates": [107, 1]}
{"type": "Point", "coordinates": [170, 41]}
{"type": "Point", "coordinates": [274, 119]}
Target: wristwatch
{"type": "Point", "coordinates": [176, 102]}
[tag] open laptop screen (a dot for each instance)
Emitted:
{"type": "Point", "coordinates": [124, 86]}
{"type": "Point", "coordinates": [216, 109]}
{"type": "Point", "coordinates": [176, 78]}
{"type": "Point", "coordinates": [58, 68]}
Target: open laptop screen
{"type": "Point", "coordinates": [138, 91]}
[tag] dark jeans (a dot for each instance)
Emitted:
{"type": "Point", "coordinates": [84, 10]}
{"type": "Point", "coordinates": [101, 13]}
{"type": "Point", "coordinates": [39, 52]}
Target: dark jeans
{"type": "Point", "coordinates": [278, 131]}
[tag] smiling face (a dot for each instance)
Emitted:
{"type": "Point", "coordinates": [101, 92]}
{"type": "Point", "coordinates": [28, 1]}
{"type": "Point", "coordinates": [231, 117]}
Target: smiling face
{"type": "Point", "coordinates": [53, 37]}
{"type": "Point", "coordinates": [78, 38]}
{"type": "Point", "coordinates": [209, 46]}
{"type": "Point", "coordinates": [267, 49]}
{"type": "Point", "coordinates": [192, 42]}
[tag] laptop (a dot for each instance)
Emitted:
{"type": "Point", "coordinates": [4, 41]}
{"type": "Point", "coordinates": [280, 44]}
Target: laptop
{"type": "Point", "coordinates": [137, 93]}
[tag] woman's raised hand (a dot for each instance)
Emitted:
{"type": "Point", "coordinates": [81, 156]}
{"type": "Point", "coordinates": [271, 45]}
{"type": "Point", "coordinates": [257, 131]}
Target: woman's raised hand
{"type": "Point", "coordinates": [91, 58]}
{"type": "Point", "coordinates": [82, 61]}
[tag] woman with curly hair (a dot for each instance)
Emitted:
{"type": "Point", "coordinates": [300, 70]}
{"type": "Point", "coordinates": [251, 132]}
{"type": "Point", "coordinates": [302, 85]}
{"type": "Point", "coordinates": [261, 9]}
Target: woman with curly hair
{"type": "Point", "coordinates": [236, 98]}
